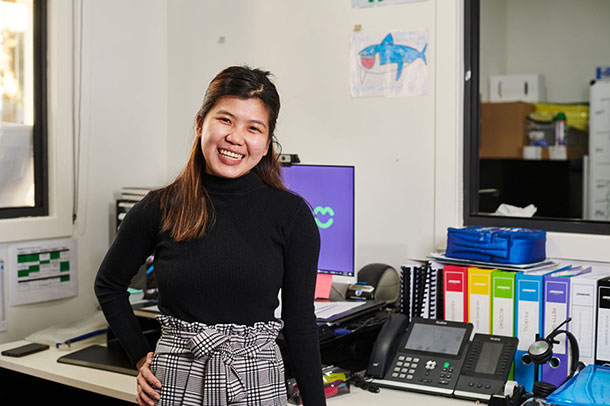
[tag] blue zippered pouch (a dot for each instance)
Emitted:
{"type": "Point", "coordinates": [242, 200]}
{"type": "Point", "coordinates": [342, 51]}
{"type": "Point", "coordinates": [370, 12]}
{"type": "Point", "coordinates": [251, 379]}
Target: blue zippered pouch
{"type": "Point", "coordinates": [500, 245]}
{"type": "Point", "coordinates": [589, 387]}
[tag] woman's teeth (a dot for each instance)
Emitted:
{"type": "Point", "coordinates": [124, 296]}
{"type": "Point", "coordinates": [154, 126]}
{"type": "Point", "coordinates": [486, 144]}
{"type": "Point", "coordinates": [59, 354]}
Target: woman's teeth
{"type": "Point", "coordinates": [230, 155]}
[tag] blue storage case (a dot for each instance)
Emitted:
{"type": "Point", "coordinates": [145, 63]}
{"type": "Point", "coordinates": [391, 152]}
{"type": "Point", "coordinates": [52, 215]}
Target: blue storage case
{"type": "Point", "coordinates": [496, 245]}
{"type": "Point", "coordinates": [588, 388]}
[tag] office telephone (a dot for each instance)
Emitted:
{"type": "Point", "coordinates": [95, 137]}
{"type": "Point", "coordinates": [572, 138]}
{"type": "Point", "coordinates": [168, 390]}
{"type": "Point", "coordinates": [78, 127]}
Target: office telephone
{"type": "Point", "coordinates": [436, 356]}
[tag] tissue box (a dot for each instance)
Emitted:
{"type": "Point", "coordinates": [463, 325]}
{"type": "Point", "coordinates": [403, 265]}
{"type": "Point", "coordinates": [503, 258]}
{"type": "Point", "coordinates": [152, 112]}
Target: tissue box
{"type": "Point", "coordinates": [496, 245]}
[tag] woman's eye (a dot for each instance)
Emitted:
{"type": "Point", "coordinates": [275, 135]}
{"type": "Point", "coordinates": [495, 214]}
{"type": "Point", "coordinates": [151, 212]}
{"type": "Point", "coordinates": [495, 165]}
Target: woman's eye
{"type": "Point", "coordinates": [256, 129]}
{"type": "Point", "coordinates": [225, 120]}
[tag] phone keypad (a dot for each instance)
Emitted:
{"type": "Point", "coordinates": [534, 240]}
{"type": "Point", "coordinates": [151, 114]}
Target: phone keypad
{"type": "Point", "coordinates": [405, 367]}
{"type": "Point", "coordinates": [432, 371]}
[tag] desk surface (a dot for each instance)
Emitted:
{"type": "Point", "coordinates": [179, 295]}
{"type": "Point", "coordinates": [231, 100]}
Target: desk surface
{"type": "Point", "coordinates": [44, 365]}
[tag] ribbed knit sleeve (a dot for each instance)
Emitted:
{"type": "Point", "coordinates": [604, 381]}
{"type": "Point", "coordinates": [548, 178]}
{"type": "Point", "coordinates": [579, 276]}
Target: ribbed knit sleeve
{"type": "Point", "coordinates": [134, 242]}
{"type": "Point", "coordinates": [300, 328]}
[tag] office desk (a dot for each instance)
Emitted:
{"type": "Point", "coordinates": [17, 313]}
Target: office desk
{"type": "Point", "coordinates": [44, 365]}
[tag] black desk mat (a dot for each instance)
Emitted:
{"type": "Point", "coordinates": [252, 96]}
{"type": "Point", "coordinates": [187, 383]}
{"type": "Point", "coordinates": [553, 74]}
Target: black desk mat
{"type": "Point", "coordinates": [100, 357]}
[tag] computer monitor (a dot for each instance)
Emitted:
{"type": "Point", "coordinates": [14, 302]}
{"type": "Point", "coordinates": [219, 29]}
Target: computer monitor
{"type": "Point", "coordinates": [329, 190]}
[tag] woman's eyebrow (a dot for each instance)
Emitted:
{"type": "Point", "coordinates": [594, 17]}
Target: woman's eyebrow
{"type": "Point", "coordinates": [225, 112]}
{"type": "Point", "coordinates": [259, 122]}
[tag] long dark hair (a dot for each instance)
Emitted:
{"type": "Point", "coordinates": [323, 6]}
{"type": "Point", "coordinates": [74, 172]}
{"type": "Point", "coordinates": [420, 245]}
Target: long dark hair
{"type": "Point", "coordinates": [186, 207]}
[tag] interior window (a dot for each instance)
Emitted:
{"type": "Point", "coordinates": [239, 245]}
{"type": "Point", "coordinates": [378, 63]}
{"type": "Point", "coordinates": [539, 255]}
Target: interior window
{"type": "Point", "coordinates": [22, 108]}
{"type": "Point", "coordinates": [537, 116]}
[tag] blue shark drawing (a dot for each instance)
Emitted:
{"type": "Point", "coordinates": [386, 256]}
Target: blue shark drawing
{"type": "Point", "coordinates": [389, 53]}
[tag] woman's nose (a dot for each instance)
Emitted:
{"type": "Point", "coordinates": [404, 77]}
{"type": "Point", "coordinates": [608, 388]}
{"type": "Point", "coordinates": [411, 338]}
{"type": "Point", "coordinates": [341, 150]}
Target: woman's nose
{"type": "Point", "coordinates": [235, 136]}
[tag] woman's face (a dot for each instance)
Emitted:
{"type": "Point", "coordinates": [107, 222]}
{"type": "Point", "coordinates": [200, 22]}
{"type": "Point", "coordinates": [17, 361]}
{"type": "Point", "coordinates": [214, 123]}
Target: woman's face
{"type": "Point", "coordinates": [234, 136]}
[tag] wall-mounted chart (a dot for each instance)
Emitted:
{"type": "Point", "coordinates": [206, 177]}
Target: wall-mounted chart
{"type": "Point", "coordinates": [42, 270]}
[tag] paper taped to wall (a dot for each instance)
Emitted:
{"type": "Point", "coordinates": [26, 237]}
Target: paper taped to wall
{"type": "Point", "coordinates": [42, 270]}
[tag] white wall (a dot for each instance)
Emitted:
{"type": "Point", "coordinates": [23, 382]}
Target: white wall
{"type": "Point", "coordinates": [492, 38]}
{"type": "Point", "coordinates": [564, 40]}
{"type": "Point", "coordinates": [124, 126]}
{"type": "Point", "coordinates": [391, 141]}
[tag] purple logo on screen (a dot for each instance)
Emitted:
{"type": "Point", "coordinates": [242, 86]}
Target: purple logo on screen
{"type": "Point", "coordinates": [329, 190]}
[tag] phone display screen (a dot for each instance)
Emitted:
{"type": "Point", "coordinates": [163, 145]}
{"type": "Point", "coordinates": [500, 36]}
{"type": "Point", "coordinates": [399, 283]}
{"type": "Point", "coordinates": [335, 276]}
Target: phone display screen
{"type": "Point", "coordinates": [488, 358]}
{"type": "Point", "coordinates": [435, 339]}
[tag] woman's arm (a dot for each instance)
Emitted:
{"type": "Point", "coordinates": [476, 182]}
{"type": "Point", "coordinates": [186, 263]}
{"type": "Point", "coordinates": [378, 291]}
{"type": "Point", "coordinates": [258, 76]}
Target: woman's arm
{"type": "Point", "coordinates": [300, 328]}
{"type": "Point", "coordinates": [134, 242]}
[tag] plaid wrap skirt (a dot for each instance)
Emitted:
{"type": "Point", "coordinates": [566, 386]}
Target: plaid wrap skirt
{"type": "Point", "coordinates": [221, 364]}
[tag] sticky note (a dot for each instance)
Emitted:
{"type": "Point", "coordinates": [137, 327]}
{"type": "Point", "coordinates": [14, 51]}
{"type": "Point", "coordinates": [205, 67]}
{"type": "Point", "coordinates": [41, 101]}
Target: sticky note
{"type": "Point", "coordinates": [324, 283]}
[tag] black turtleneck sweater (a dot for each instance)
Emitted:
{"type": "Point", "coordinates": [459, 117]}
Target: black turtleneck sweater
{"type": "Point", "coordinates": [263, 240]}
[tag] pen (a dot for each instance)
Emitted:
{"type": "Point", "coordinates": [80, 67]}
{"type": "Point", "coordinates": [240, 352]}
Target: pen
{"type": "Point", "coordinates": [81, 337]}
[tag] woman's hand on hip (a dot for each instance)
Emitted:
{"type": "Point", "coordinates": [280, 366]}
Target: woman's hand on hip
{"type": "Point", "coordinates": [147, 382]}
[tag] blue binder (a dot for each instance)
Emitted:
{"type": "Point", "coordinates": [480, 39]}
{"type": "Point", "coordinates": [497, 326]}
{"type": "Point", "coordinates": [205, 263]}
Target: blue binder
{"type": "Point", "coordinates": [529, 318]}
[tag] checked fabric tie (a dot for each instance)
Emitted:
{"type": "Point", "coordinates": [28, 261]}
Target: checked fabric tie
{"type": "Point", "coordinates": [217, 365]}
{"type": "Point", "coordinates": [223, 384]}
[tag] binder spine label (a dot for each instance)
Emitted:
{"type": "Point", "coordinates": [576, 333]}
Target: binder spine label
{"type": "Point", "coordinates": [529, 312]}
{"type": "Point", "coordinates": [479, 306]}
{"type": "Point", "coordinates": [479, 313]}
{"type": "Point", "coordinates": [583, 318]}
{"type": "Point", "coordinates": [603, 324]}
{"type": "Point", "coordinates": [454, 306]}
{"type": "Point", "coordinates": [503, 306]}
{"type": "Point", "coordinates": [556, 311]}
{"type": "Point", "coordinates": [454, 296]}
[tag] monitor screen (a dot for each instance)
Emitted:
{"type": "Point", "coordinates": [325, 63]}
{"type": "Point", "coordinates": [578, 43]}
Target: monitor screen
{"type": "Point", "coordinates": [329, 190]}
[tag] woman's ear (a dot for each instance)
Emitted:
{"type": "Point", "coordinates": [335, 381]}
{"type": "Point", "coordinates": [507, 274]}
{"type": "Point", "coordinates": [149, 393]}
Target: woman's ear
{"type": "Point", "coordinates": [198, 125]}
{"type": "Point", "coordinates": [267, 146]}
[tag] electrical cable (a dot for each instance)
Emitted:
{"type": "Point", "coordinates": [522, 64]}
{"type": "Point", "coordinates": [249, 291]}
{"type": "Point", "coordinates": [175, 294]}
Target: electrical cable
{"type": "Point", "coordinates": [77, 81]}
{"type": "Point", "coordinates": [363, 383]}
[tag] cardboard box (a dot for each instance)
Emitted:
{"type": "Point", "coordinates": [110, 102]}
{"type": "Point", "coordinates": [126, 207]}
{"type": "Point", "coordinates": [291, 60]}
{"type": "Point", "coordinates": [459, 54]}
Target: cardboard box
{"type": "Point", "coordinates": [503, 129]}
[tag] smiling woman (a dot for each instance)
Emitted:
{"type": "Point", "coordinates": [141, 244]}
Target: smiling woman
{"type": "Point", "coordinates": [226, 237]}
{"type": "Point", "coordinates": [234, 136]}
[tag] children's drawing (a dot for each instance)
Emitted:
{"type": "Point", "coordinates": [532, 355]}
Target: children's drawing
{"type": "Point", "coordinates": [388, 52]}
{"type": "Point", "coordinates": [394, 65]}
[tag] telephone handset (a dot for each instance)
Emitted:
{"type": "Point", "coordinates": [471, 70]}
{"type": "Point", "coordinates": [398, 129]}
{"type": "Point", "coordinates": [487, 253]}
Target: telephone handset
{"type": "Point", "coordinates": [386, 344]}
{"type": "Point", "coordinates": [435, 356]}
{"type": "Point", "coordinates": [428, 357]}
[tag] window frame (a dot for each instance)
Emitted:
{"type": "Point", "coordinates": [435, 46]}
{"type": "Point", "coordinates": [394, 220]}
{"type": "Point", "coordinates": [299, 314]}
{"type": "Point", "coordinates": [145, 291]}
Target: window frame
{"type": "Point", "coordinates": [471, 147]}
{"type": "Point", "coordinates": [40, 127]}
